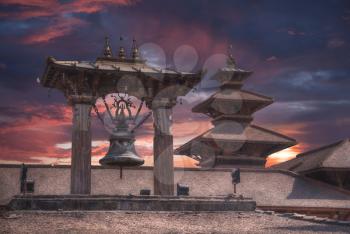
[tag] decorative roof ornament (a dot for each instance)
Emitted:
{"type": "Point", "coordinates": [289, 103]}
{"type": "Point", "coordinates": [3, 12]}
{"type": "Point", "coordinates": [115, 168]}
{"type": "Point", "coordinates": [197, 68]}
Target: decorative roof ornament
{"type": "Point", "coordinates": [135, 50]}
{"type": "Point", "coordinates": [121, 55]}
{"type": "Point", "coordinates": [231, 62]}
{"type": "Point", "coordinates": [107, 51]}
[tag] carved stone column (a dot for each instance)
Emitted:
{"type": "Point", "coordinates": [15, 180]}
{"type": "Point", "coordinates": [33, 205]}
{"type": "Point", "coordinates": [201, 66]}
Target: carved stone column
{"type": "Point", "coordinates": [163, 171]}
{"type": "Point", "coordinates": [81, 144]}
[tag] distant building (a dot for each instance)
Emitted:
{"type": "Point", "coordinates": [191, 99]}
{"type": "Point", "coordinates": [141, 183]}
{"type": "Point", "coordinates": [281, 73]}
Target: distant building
{"type": "Point", "coordinates": [330, 164]}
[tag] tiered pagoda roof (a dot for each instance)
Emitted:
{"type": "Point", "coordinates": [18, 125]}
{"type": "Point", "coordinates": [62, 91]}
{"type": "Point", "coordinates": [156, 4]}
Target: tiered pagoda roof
{"type": "Point", "coordinates": [234, 141]}
{"type": "Point", "coordinates": [236, 103]}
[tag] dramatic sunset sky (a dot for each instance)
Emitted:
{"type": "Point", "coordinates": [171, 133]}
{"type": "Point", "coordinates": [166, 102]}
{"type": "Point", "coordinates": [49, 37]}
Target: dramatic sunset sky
{"type": "Point", "coordinates": [299, 51]}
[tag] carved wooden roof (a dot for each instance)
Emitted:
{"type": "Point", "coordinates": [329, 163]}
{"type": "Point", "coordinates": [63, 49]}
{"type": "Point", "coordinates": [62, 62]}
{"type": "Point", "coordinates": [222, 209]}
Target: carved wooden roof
{"type": "Point", "coordinates": [104, 75]}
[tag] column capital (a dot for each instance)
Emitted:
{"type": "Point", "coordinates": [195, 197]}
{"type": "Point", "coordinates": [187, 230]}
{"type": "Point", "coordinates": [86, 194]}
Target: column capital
{"type": "Point", "coordinates": [81, 99]}
{"type": "Point", "coordinates": [162, 103]}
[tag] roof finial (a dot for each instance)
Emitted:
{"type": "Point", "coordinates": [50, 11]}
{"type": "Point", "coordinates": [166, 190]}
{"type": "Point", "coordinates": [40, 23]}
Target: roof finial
{"type": "Point", "coordinates": [135, 50]}
{"type": "Point", "coordinates": [107, 52]}
{"type": "Point", "coordinates": [230, 60]}
{"type": "Point", "coordinates": [121, 50]}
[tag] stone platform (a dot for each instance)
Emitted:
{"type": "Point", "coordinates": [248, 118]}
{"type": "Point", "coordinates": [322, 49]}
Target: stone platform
{"type": "Point", "coordinates": [133, 203]}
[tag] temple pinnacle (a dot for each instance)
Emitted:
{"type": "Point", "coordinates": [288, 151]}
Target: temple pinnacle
{"type": "Point", "coordinates": [107, 52]}
{"type": "Point", "coordinates": [230, 60]}
{"type": "Point", "coordinates": [135, 50]}
{"type": "Point", "coordinates": [121, 50]}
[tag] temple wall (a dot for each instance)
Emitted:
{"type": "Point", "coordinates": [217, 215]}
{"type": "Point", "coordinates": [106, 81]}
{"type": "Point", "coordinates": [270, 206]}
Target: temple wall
{"type": "Point", "coordinates": [56, 181]}
{"type": "Point", "coordinates": [107, 181]}
{"type": "Point", "coordinates": [268, 187]}
{"type": "Point", "coordinates": [9, 184]}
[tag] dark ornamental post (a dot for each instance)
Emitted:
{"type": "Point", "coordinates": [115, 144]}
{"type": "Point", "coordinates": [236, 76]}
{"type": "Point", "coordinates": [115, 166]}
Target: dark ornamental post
{"type": "Point", "coordinates": [163, 171]}
{"type": "Point", "coordinates": [81, 144]}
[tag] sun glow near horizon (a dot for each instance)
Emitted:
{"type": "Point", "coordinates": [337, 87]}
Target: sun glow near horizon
{"type": "Point", "coordinates": [283, 155]}
{"type": "Point", "coordinates": [98, 147]}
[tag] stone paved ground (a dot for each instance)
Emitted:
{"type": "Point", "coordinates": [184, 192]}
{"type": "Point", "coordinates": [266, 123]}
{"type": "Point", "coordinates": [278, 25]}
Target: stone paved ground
{"type": "Point", "coordinates": [158, 222]}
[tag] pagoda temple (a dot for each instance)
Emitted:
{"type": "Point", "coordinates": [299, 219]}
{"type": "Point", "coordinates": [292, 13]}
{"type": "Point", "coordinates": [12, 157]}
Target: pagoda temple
{"type": "Point", "coordinates": [233, 141]}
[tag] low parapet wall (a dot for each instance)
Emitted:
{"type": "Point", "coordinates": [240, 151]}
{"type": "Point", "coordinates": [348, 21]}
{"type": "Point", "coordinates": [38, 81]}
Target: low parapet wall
{"type": "Point", "coordinates": [268, 187]}
{"type": "Point", "coordinates": [136, 203]}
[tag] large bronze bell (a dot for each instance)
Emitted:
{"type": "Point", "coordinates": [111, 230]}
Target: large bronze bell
{"type": "Point", "coordinates": [122, 151]}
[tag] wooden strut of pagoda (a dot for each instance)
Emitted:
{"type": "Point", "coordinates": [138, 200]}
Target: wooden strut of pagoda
{"type": "Point", "coordinates": [233, 141]}
{"type": "Point", "coordinates": [83, 82]}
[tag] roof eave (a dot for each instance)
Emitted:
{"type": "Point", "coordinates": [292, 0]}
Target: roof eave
{"type": "Point", "coordinates": [51, 63]}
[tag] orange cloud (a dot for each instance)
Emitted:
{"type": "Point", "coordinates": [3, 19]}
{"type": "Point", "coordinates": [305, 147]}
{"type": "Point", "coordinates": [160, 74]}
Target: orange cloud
{"type": "Point", "coordinates": [62, 22]}
{"type": "Point", "coordinates": [42, 134]}
{"type": "Point", "coordinates": [92, 6]}
{"type": "Point", "coordinates": [28, 2]}
{"type": "Point", "coordinates": [28, 9]}
{"type": "Point", "coordinates": [38, 8]}
{"type": "Point", "coordinates": [59, 29]}
{"type": "Point", "coordinates": [294, 130]}
{"type": "Point", "coordinates": [284, 155]}
{"type": "Point", "coordinates": [179, 161]}
{"type": "Point", "coordinates": [33, 131]}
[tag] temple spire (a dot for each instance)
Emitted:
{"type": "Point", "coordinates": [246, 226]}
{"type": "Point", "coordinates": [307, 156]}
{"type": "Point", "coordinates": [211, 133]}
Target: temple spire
{"type": "Point", "coordinates": [107, 51]}
{"type": "Point", "coordinates": [135, 50]}
{"type": "Point", "coordinates": [231, 62]}
{"type": "Point", "coordinates": [121, 55]}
